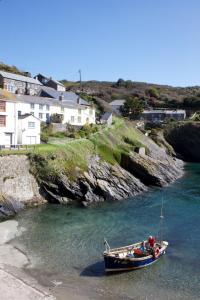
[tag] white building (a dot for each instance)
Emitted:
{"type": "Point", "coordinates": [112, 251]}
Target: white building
{"type": "Point", "coordinates": [28, 132]}
{"type": "Point", "coordinates": [43, 108]}
{"type": "Point", "coordinates": [17, 129]}
{"type": "Point", "coordinates": [8, 123]}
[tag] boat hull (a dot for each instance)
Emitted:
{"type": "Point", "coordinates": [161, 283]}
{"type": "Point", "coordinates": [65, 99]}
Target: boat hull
{"type": "Point", "coordinates": [114, 264]}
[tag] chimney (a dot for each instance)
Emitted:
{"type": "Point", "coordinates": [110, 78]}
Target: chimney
{"type": "Point", "coordinates": [61, 97]}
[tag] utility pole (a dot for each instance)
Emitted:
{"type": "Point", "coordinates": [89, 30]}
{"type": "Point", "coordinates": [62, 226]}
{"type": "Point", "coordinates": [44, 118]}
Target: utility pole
{"type": "Point", "coordinates": [80, 79]}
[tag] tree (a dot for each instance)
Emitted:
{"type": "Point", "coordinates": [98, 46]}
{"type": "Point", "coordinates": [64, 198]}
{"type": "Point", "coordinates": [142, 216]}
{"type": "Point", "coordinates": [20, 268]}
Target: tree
{"type": "Point", "coordinates": [152, 92]}
{"type": "Point", "coordinates": [132, 107]}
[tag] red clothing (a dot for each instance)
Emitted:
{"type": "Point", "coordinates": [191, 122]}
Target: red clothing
{"type": "Point", "coordinates": [151, 241]}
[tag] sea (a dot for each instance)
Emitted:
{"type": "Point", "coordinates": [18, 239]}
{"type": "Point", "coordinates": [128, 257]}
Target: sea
{"type": "Point", "coordinates": [65, 244]}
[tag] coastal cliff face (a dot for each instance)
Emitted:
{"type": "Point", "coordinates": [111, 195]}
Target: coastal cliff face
{"type": "Point", "coordinates": [105, 167]}
{"type": "Point", "coordinates": [103, 179]}
{"type": "Point", "coordinates": [18, 187]}
{"type": "Point", "coordinates": [185, 139]}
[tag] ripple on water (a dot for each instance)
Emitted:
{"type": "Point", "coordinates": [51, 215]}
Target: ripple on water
{"type": "Point", "coordinates": [69, 241]}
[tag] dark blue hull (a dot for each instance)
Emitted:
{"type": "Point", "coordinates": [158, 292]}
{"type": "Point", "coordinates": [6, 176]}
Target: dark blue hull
{"type": "Point", "coordinates": [113, 264]}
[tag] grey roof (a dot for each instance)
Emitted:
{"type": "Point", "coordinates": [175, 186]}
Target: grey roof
{"type": "Point", "coordinates": [119, 102]}
{"type": "Point", "coordinates": [26, 116]}
{"type": "Point", "coordinates": [57, 82]}
{"type": "Point", "coordinates": [160, 111]}
{"type": "Point", "coordinates": [47, 101]}
{"type": "Point", "coordinates": [106, 116]}
{"type": "Point", "coordinates": [67, 96]}
{"type": "Point", "coordinates": [20, 77]}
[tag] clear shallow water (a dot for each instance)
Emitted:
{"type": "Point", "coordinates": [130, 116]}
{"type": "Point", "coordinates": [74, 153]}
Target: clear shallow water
{"type": "Point", "coordinates": [65, 243]}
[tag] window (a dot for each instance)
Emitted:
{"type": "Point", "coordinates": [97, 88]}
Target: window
{"type": "Point", "coordinates": [79, 111]}
{"type": "Point", "coordinates": [2, 106]}
{"type": "Point", "coordinates": [32, 113]}
{"type": "Point", "coordinates": [40, 116]}
{"type": "Point", "coordinates": [79, 119]}
{"type": "Point", "coordinates": [47, 107]}
{"type": "Point", "coordinates": [90, 112]}
{"type": "Point", "coordinates": [31, 125]}
{"type": "Point", "coordinates": [19, 112]}
{"type": "Point", "coordinates": [72, 119]}
{"type": "Point", "coordinates": [47, 117]}
{"type": "Point", "coordinates": [2, 121]}
{"type": "Point", "coordinates": [32, 105]}
{"type": "Point", "coordinates": [41, 106]}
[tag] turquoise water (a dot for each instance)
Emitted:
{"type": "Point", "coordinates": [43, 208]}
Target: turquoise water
{"type": "Point", "coordinates": [65, 243]}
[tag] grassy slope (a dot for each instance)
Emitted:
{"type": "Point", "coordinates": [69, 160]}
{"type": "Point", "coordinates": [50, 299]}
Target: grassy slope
{"type": "Point", "coordinates": [49, 160]}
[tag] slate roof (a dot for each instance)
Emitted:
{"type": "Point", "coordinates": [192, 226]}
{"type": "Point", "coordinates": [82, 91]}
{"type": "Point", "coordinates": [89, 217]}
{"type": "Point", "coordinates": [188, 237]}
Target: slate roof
{"type": "Point", "coordinates": [67, 96]}
{"type": "Point", "coordinates": [20, 77]}
{"type": "Point", "coordinates": [159, 111]}
{"type": "Point", "coordinates": [48, 101]}
{"type": "Point", "coordinates": [57, 82]}
{"type": "Point", "coordinates": [119, 102]}
{"type": "Point", "coordinates": [26, 116]}
{"type": "Point", "coordinates": [106, 116]}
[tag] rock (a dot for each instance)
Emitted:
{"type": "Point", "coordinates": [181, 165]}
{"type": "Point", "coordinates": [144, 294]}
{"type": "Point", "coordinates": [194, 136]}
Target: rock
{"type": "Point", "coordinates": [102, 182]}
{"type": "Point", "coordinates": [18, 188]}
{"type": "Point", "coordinates": [185, 139]}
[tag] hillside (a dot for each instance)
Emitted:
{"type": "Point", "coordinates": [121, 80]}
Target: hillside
{"type": "Point", "coordinates": [13, 69]}
{"type": "Point", "coordinates": [151, 94]}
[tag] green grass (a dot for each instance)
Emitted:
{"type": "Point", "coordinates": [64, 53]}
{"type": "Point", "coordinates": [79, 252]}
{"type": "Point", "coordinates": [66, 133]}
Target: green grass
{"type": "Point", "coordinates": [50, 160]}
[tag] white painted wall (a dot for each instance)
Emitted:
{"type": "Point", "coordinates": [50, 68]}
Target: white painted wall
{"type": "Point", "coordinates": [11, 124]}
{"type": "Point", "coordinates": [28, 134]}
{"type": "Point", "coordinates": [79, 116]}
{"type": "Point", "coordinates": [35, 109]}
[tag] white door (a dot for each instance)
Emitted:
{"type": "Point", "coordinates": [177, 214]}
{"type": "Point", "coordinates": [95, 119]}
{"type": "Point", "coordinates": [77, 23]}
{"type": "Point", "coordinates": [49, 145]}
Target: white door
{"type": "Point", "coordinates": [8, 139]}
{"type": "Point", "coordinates": [31, 140]}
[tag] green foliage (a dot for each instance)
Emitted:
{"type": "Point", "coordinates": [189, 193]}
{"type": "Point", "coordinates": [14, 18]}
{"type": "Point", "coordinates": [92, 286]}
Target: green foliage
{"type": "Point", "coordinates": [152, 92]}
{"type": "Point", "coordinates": [132, 107]}
{"type": "Point", "coordinates": [12, 69]}
{"type": "Point", "coordinates": [190, 102]}
{"type": "Point", "coordinates": [56, 118]}
{"type": "Point", "coordinates": [46, 131]}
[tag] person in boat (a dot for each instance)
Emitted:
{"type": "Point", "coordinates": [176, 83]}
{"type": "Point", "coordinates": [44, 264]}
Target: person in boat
{"type": "Point", "coordinates": [143, 247]}
{"type": "Point", "coordinates": [151, 241]}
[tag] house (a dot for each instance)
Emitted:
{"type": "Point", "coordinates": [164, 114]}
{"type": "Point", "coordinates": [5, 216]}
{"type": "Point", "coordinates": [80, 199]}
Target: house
{"type": "Point", "coordinates": [56, 85]}
{"type": "Point", "coordinates": [19, 84]}
{"type": "Point", "coordinates": [8, 122]}
{"type": "Point", "coordinates": [116, 106]}
{"type": "Point", "coordinates": [17, 129]}
{"type": "Point", "coordinates": [160, 115]}
{"type": "Point", "coordinates": [28, 132]}
{"type": "Point", "coordinates": [106, 118]}
{"type": "Point", "coordinates": [44, 108]}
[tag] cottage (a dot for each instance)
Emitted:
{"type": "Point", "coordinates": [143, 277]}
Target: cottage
{"type": "Point", "coordinates": [19, 84]}
{"type": "Point", "coordinates": [44, 108]}
{"type": "Point", "coordinates": [56, 85]}
{"type": "Point", "coordinates": [160, 115]}
{"type": "Point", "coordinates": [17, 129]}
{"type": "Point", "coordinates": [28, 132]}
{"type": "Point", "coordinates": [117, 105]}
{"type": "Point", "coordinates": [106, 118]}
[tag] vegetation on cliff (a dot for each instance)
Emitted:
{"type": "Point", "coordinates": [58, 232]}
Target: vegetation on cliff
{"type": "Point", "coordinates": [185, 139]}
{"type": "Point", "coordinates": [72, 156]}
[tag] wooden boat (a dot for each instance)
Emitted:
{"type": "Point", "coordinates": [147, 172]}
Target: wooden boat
{"type": "Point", "coordinates": [132, 257]}
{"type": "Point", "coordinates": [135, 256]}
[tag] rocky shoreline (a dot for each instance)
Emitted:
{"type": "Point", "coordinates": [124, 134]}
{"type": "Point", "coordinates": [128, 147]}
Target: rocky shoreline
{"type": "Point", "coordinates": [101, 181]}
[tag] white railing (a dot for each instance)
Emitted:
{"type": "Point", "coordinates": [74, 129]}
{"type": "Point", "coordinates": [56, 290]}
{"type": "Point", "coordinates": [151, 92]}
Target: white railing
{"type": "Point", "coordinates": [17, 147]}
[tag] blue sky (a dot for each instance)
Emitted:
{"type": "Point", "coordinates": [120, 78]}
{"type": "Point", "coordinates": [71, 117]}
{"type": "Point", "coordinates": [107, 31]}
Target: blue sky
{"type": "Point", "coordinates": [143, 40]}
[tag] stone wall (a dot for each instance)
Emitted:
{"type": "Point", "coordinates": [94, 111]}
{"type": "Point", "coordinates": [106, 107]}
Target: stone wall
{"type": "Point", "coordinates": [17, 185]}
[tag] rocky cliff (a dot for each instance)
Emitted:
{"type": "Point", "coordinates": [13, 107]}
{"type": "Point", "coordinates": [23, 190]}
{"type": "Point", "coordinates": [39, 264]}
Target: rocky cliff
{"type": "Point", "coordinates": [104, 167]}
{"type": "Point", "coordinates": [103, 179]}
{"type": "Point", "coordinates": [185, 139]}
